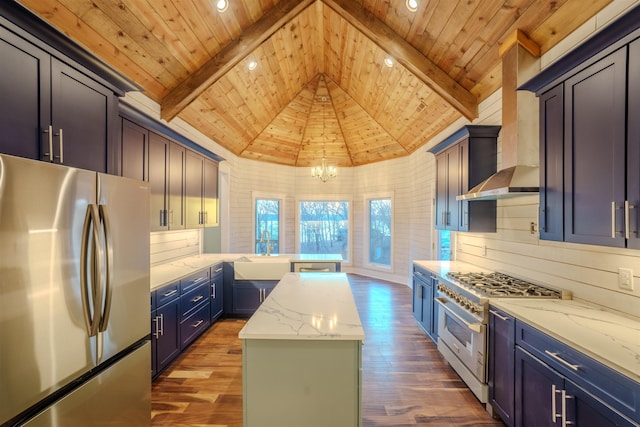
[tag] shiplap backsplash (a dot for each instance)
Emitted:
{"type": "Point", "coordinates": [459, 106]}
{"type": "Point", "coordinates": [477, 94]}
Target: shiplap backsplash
{"type": "Point", "coordinates": [167, 246]}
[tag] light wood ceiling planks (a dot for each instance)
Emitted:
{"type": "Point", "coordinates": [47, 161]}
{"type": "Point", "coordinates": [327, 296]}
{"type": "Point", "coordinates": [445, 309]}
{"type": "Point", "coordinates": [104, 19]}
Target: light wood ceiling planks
{"type": "Point", "coordinates": [321, 85]}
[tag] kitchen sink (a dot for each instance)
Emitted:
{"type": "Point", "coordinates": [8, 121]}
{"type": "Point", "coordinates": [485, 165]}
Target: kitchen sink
{"type": "Point", "coordinates": [260, 267]}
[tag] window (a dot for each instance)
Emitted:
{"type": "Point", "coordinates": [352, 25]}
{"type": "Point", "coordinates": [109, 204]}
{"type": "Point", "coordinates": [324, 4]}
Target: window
{"type": "Point", "coordinates": [324, 228]}
{"type": "Point", "coordinates": [380, 227]}
{"type": "Point", "coordinates": [267, 225]}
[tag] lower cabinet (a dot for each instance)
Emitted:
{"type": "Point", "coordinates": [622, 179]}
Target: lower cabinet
{"type": "Point", "coordinates": [217, 290]}
{"type": "Point", "coordinates": [502, 335]}
{"type": "Point", "coordinates": [536, 380]}
{"type": "Point", "coordinates": [181, 311]}
{"type": "Point", "coordinates": [424, 309]}
{"type": "Point", "coordinates": [165, 337]}
{"type": "Point", "coordinates": [249, 294]}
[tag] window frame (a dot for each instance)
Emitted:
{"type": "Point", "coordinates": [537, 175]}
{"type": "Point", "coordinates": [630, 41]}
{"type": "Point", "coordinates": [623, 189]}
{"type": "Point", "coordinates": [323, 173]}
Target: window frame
{"type": "Point", "coordinates": [327, 198]}
{"type": "Point", "coordinates": [257, 195]}
{"type": "Point", "coordinates": [367, 231]}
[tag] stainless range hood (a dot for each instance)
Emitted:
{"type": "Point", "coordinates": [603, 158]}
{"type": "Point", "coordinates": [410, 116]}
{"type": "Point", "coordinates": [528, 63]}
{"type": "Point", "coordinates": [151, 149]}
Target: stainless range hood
{"type": "Point", "coordinates": [515, 181]}
{"type": "Point", "coordinates": [519, 135]}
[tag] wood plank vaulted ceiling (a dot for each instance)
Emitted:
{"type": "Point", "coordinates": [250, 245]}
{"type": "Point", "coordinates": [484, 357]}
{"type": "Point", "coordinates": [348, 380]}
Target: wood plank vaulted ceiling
{"type": "Point", "coordinates": [320, 85]}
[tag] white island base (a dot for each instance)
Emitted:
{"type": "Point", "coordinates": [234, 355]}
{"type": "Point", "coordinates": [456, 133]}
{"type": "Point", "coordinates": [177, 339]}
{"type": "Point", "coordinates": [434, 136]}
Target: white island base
{"type": "Point", "coordinates": [302, 355]}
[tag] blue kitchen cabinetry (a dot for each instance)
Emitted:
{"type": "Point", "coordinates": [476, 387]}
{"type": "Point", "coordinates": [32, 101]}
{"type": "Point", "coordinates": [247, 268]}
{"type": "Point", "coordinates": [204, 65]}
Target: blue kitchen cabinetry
{"type": "Point", "coordinates": [165, 337]}
{"type": "Point", "coordinates": [249, 294]}
{"type": "Point", "coordinates": [53, 107]}
{"type": "Point", "coordinates": [553, 384]}
{"type": "Point", "coordinates": [181, 312]}
{"type": "Point", "coordinates": [217, 292]}
{"type": "Point", "coordinates": [502, 335]}
{"type": "Point", "coordinates": [590, 191]}
{"type": "Point", "coordinates": [424, 308]}
{"type": "Point", "coordinates": [464, 160]}
{"type": "Point", "coordinates": [201, 187]}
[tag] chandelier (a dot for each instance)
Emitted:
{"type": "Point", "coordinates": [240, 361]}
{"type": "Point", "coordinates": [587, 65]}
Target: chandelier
{"type": "Point", "coordinates": [324, 172]}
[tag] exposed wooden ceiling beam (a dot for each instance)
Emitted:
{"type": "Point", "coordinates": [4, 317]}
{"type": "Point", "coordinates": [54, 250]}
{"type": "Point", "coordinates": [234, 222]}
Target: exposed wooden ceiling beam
{"type": "Point", "coordinates": [404, 53]}
{"type": "Point", "coordinates": [183, 94]}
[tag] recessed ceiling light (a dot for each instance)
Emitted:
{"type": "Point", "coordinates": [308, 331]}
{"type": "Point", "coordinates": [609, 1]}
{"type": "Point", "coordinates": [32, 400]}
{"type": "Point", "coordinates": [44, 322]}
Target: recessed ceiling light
{"type": "Point", "coordinates": [223, 5]}
{"type": "Point", "coordinates": [388, 61]}
{"type": "Point", "coordinates": [412, 5]}
{"type": "Point", "coordinates": [252, 65]}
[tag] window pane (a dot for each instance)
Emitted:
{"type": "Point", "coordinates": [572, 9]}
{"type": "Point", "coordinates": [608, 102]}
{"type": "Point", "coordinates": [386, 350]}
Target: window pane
{"type": "Point", "coordinates": [267, 218]}
{"type": "Point", "coordinates": [324, 228]}
{"type": "Point", "coordinates": [380, 231]}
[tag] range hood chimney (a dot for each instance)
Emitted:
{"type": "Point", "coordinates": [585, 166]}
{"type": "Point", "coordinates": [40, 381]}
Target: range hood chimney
{"type": "Point", "coordinates": [520, 133]}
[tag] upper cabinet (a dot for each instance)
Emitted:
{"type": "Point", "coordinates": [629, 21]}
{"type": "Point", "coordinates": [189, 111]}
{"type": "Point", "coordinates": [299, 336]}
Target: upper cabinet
{"type": "Point", "coordinates": [183, 183]}
{"type": "Point", "coordinates": [590, 140]}
{"type": "Point", "coordinates": [53, 107]}
{"type": "Point", "coordinates": [201, 191]}
{"type": "Point", "coordinates": [464, 160]}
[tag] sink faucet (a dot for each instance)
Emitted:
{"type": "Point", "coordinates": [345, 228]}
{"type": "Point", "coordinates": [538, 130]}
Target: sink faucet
{"type": "Point", "coordinates": [265, 231]}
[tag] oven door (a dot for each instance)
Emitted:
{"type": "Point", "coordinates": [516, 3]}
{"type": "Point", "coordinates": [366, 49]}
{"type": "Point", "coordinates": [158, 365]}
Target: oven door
{"type": "Point", "coordinates": [464, 336]}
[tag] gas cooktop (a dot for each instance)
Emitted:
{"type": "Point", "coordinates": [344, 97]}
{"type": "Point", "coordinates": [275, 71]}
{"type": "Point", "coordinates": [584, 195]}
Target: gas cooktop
{"type": "Point", "coordinates": [500, 285]}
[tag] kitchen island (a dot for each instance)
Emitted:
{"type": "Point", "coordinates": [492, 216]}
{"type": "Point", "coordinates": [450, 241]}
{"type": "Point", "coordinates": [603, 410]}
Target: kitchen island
{"type": "Point", "coordinates": [302, 355]}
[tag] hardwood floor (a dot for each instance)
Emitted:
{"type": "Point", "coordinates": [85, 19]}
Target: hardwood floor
{"type": "Point", "coordinates": [405, 380]}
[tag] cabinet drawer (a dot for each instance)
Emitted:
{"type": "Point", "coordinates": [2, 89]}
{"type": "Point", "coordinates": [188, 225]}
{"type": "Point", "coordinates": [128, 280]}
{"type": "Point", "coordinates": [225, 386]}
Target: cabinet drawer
{"type": "Point", "coordinates": [195, 279]}
{"type": "Point", "coordinates": [194, 325]}
{"type": "Point", "coordinates": [216, 270]}
{"type": "Point", "coordinates": [167, 293]}
{"type": "Point", "coordinates": [617, 390]}
{"type": "Point", "coordinates": [194, 298]}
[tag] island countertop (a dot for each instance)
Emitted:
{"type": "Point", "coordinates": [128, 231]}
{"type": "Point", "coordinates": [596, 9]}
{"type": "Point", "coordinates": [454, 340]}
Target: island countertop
{"type": "Point", "coordinates": [307, 306]}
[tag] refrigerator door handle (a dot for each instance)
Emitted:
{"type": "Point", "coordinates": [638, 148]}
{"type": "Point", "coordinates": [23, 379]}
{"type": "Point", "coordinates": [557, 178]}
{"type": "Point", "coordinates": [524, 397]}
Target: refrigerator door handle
{"type": "Point", "coordinates": [89, 288]}
{"type": "Point", "coordinates": [108, 291]}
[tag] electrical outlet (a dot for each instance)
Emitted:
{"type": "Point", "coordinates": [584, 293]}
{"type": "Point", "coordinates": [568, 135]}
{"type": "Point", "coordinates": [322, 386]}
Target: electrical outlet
{"type": "Point", "coordinates": [625, 278]}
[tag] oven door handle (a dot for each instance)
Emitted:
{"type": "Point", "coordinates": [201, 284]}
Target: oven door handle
{"type": "Point", "coordinates": [475, 327]}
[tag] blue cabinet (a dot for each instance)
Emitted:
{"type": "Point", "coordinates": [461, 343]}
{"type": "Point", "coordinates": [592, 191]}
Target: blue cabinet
{"type": "Point", "coordinates": [217, 292]}
{"type": "Point", "coordinates": [165, 337]}
{"type": "Point", "coordinates": [557, 385]}
{"type": "Point", "coordinates": [249, 294]}
{"type": "Point", "coordinates": [502, 334]}
{"type": "Point", "coordinates": [424, 309]}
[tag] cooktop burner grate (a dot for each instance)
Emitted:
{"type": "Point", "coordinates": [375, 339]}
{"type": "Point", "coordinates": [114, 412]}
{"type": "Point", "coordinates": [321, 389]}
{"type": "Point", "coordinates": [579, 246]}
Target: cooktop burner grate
{"type": "Point", "coordinates": [502, 285]}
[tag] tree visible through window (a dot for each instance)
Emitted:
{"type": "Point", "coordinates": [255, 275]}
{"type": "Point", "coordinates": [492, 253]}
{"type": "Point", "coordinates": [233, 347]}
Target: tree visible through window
{"type": "Point", "coordinates": [267, 218]}
{"type": "Point", "coordinates": [380, 232]}
{"type": "Point", "coordinates": [324, 228]}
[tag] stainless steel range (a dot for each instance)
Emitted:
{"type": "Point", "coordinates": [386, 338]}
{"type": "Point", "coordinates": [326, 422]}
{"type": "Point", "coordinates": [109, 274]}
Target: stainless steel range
{"type": "Point", "coordinates": [463, 319]}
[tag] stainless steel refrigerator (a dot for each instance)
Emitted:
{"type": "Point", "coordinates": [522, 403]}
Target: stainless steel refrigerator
{"type": "Point", "coordinates": [74, 297]}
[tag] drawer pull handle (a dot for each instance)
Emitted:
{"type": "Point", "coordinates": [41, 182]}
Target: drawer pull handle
{"type": "Point", "coordinates": [217, 270]}
{"type": "Point", "coordinates": [498, 315]}
{"type": "Point", "coordinates": [198, 323]}
{"type": "Point", "coordinates": [198, 298]}
{"type": "Point", "coordinates": [168, 294]}
{"type": "Point", "coordinates": [561, 360]}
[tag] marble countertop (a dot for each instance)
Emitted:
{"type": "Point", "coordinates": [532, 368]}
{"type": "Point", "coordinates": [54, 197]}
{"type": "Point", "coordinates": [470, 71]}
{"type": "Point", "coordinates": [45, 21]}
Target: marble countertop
{"type": "Point", "coordinates": [605, 336]}
{"type": "Point", "coordinates": [441, 268]}
{"type": "Point", "coordinates": [307, 306]}
{"type": "Point", "coordinates": [175, 270]}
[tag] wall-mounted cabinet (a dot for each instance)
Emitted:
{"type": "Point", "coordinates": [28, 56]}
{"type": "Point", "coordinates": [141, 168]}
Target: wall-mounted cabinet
{"type": "Point", "coordinates": [201, 191]}
{"type": "Point", "coordinates": [53, 111]}
{"type": "Point", "coordinates": [590, 141]}
{"type": "Point", "coordinates": [464, 160]}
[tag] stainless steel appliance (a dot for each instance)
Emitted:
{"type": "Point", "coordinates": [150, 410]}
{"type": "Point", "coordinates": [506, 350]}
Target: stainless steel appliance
{"type": "Point", "coordinates": [463, 316]}
{"type": "Point", "coordinates": [74, 297]}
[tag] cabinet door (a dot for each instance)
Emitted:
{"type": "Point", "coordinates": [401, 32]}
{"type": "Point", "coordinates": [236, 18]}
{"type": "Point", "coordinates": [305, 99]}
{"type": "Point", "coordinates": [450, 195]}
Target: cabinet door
{"type": "Point", "coordinates": [595, 110]}
{"type": "Point", "coordinates": [177, 156]}
{"type": "Point", "coordinates": [168, 340]}
{"type": "Point", "coordinates": [25, 104]}
{"type": "Point", "coordinates": [534, 393]}
{"type": "Point", "coordinates": [158, 176]}
{"type": "Point", "coordinates": [83, 118]}
{"type": "Point", "coordinates": [417, 299]}
{"type": "Point", "coordinates": [633, 145]}
{"type": "Point", "coordinates": [246, 298]}
{"type": "Point", "coordinates": [551, 215]}
{"type": "Point", "coordinates": [427, 306]}
{"type": "Point", "coordinates": [193, 187]}
{"type": "Point", "coordinates": [502, 364]}
{"type": "Point", "coordinates": [154, 350]}
{"type": "Point", "coordinates": [584, 410]}
{"type": "Point", "coordinates": [135, 141]}
{"type": "Point", "coordinates": [210, 193]}
{"type": "Point", "coordinates": [442, 175]}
